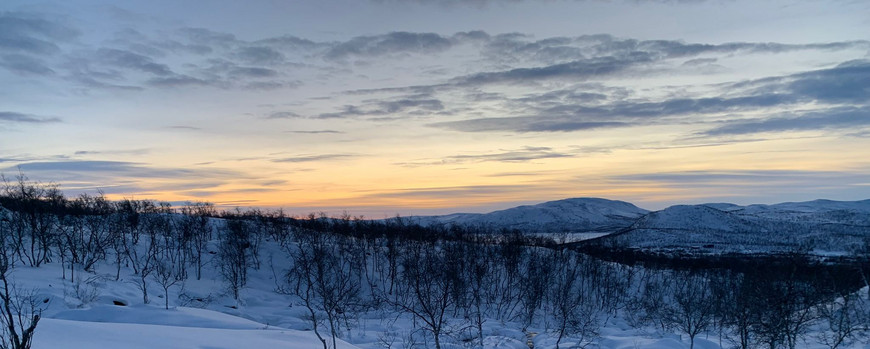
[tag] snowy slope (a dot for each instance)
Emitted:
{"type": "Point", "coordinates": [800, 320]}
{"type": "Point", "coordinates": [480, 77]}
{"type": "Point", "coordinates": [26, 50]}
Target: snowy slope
{"type": "Point", "coordinates": [817, 211]}
{"type": "Point", "coordinates": [822, 226]}
{"type": "Point", "coordinates": [562, 216]}
{"type": "Point", "coordinates": [85, 334]}
{"type": "Point", "coordinates": [815, 206]}
{"type": "Point", "coordinates": [695, 217]}
{"type": "Point", "coordinates": [75, 320]}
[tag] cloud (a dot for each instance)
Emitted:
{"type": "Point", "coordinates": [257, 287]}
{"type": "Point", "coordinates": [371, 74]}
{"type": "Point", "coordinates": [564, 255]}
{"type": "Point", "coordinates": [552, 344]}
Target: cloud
{"type": "Point", "coordinates": [524, 154]}
{"type": "Point", "coordinates": [516, 47]}
{"type": "Point", "coordinates": [25, 65]}
{"type": "Point", "coordinates": [750, 178]}
{"type": "Point", "coordinates": [317, 132]}
{"type": "Point", "coordinates": [123, 177]}
{"type": "Point", "coordinates": [843, 90]}
{"type": "Point", "coordinates": [722, 176]}
{"type": "Point", "coordinates": [105, 167]}
{"type": "Point", "coordinates": [313, 158]}
{"type": "Point", "coordinates": [270, 85]}
{"type": "Point", "coordinates": [176, 59]}
{"type": "Point", "coordinates": [848, 82]}
{"type": "Point", "coordinates": [519, 155]}
{"type": "Point", "coordinates": [844, 118]}
{"type": "Point", "coordinates": [283, 115]}
{"type": "Point", "coordinates": [260, 55]}
{"type": "Point", "coordinates": [681, 106]}
{"type": "Point", "coordinates": [178, 81]}
{"type": "Point", "coordinates": [390, 43]}
{"type": "Point", "coordinates": [222, 73]}
{"type": "Point", "coordinates": [26, 33]}
{"type": "Point", "coordinates": [184, 127]}
{"type": "Point", "coordinates": [8, 116]}
{"type": "Point", "coordinates": [289, 42]}
{"type": "Point", "coordinates": [581, 70]}
{"type": "Point", "coordinates": [408, 106]}
{"type": "Point", "coordinates": [190, 57]}
{"type": "Point", "coordinates": [273, 183]}
{"type": "Point", "coordinates": [517, 174]}
{"type": "Point", "coordinates": [236, 192]}
{"type": "Point", "coordinates": [596, 56]}
{"type": "Point", "coordinates": [113, 152]}
{"type": "Point", "coordinates": [132, 61]}
{"type": "Point", "coordinates": [700, 62]}
{"type": "Point", "coordinates": [526, 124]}
{"type": "Point", "coordinates": [451, 193]}
{"type": "Point", "coordinates": [207, 37]}
{"type": "Point", "coordinates": [253, 72]}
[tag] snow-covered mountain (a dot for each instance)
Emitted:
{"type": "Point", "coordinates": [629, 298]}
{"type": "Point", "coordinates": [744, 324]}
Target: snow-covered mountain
{"type": "Point", "coordinates": [815, 206]}
{"type": "Point", "coordinates": [578, 215]}
{"type": "Point", "coordinates": [695, 218]}
{"type": "Point", "coordinates": [819, 226]}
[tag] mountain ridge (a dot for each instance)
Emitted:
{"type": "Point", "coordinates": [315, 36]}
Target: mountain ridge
{"type": "Point", "coordinates": [817, 226]}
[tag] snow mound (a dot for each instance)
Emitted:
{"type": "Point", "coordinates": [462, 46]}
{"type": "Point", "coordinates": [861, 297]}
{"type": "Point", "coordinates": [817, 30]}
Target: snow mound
{"type": "Point", "coordinates": [70, 334]}
{"type": "Point", "coordinates": [150, 315]}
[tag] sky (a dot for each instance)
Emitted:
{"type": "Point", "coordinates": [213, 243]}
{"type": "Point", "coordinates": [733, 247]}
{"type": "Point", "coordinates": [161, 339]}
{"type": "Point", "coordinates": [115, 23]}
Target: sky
{"type": "Point", "coordinates": [386, 107]}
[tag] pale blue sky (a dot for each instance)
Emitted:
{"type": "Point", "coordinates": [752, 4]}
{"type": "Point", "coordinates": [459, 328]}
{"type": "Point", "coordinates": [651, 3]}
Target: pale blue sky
{"type": "Point", "coordinates": [384, 107]}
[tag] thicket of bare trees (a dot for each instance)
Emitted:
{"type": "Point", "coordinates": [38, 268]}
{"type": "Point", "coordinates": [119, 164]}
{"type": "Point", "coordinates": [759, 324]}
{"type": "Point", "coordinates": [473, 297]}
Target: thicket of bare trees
{"type": "Point", "coordinates": [448, 280]}
{"type": "Point", "coordinates": [20, 311]}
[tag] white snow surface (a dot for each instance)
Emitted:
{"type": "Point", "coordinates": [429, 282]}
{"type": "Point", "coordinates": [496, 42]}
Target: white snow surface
{"type": "Point", "coordinates": [68, 323]}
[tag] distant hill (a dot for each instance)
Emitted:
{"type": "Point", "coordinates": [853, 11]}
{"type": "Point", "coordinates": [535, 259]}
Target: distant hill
{"type": "Point", "coordinates": [822, 227]}
{"type": "Point", "coordinates": [578, 215]}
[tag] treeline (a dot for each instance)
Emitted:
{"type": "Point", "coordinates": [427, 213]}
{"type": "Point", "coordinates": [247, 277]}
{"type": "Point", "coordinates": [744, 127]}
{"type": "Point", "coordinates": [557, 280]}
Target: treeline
{"type": "Point", "coordinates": [449, 280]}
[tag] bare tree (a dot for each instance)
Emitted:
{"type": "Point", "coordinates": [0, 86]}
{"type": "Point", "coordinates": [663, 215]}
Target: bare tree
{"type": "Point", "coordinates": [786, 307]}
{"type": "Point", "coordinates": [144, 261]}
{"type": "Point", "coordinates": [651, 299]}
{"type": "Point", "coordinates": [324, 278]}
{"type": "Point", "coordinates": [33, 221]}
{"type": "Point", "coordinates": [738, 308]}
{"type": "Point", "coordinates": [426, 287]}
{"type": "Point", "coordinates": [167, 274]}
{"type": "Point", "coordinates": [844, 320]}
{"type": "Point", "coordinates": [691, 310]}
{"type": "Point", "coordinates": [534, 283]}
{"type": "Point", "coordinates": [19, 312]}
{"type": "Point", "coordinates": [194, 223]}
{"type": "Point", "coordinates": [233, 257]}
{"type": "Point", "coordinates": [477, 261]}
{"type": "Point", "coordinates": [506, 286]}
{"type": "Point", "coordinates": [572, 300]}
{"type": "Point", "coordinates": [85, 234]}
